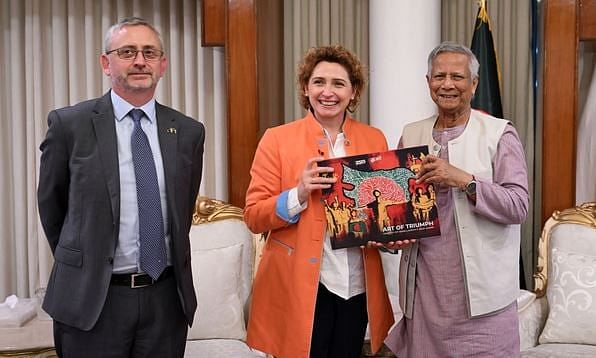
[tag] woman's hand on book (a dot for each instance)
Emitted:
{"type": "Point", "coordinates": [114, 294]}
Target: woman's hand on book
{"type": "Point", "coordinates": [314, 178]}
{"type": "Point", "coordinates": [391, 245]}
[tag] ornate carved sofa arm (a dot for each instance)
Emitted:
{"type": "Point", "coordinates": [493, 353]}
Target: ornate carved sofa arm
{"type": "Point", "coordinates": [532, 316]}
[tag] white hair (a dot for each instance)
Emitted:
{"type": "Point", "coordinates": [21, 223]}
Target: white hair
{"type": "Point", "coordinates": [452, 47]}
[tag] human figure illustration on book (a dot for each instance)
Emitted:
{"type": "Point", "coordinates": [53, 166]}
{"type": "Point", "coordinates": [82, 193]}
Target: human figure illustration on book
{"type": "Point", "coordinates": [379, 208]}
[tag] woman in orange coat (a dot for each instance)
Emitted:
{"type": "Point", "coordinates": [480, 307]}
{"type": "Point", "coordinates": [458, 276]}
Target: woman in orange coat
{"type": "Point", "coordinates": [309, 300]}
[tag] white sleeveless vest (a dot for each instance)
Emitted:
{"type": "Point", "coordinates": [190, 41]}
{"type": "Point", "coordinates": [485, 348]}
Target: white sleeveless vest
{"type": "Point", "coordinates": [489, 251]}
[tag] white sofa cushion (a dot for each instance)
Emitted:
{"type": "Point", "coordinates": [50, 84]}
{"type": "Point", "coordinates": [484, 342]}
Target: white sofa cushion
{"type": "Point", "coordinates": [222, 265]}
{"type": "Point", "coordinates": [216, 277]}
{"type": "Point", "coordinates": [224, 233]}
{"type": "Point", "coordinates": [571, 290]}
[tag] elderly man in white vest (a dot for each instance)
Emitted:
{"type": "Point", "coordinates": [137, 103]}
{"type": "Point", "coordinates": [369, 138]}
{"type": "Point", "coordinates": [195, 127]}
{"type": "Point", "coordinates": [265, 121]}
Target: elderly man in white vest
{"type": "Point", "coordinates": [458, 290]}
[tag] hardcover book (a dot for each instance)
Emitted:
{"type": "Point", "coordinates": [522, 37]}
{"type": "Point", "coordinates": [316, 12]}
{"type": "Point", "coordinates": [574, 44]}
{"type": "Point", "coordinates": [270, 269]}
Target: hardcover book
{"type": "Point", "coordinates": [376, 198]}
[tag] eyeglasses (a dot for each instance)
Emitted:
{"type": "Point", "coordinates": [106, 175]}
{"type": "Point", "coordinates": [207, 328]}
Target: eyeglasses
{"type": "Point", "coordinates": [130, 53]}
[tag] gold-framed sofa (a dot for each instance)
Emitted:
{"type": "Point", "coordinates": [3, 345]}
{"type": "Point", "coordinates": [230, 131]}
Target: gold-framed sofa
{"type": "Point", "coordinates": [559, 318]}
{"type": "Point", "coordinates": [224, 258]}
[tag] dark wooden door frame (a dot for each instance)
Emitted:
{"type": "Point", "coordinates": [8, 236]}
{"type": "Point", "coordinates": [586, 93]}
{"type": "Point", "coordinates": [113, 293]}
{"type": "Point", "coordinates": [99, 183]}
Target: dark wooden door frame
{"type": "Point", "coordinates": [251, 34]}
{"type": "Point", "coordinates": [566, 23]}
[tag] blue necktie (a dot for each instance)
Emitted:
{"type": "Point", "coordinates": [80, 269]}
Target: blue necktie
{"type": "Point", "coordinates": [151, 230]}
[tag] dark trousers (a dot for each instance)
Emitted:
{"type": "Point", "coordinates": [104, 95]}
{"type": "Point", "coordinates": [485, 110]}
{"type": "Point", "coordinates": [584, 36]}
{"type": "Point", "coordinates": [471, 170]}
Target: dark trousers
{"type": "Point", "coordinates": [134, 322]}
{"type": "Point", "coordinates": [339, 326]}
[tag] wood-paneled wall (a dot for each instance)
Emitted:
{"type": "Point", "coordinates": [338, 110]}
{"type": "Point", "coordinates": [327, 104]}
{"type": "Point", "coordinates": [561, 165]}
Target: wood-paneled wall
{"type": "Point", "coordinates": [253, 41]}
{"type": "Point", "coordinates": [559, 106]}
{"type": "Point", "coordinates": [587, 20]}
{"type": "Point", "coordinates": [566, 23]}
{"type": "Point", "coordinates": [213, 26]}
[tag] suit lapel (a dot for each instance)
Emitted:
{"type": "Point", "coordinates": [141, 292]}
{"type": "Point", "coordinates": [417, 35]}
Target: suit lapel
{"type": "Point", "coordinates": [105, 131]}
{"type": "Point", "coordinates": [167, 131]}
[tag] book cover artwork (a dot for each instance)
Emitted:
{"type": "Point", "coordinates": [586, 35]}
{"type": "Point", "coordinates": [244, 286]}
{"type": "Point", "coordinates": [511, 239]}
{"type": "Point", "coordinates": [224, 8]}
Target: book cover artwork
{"type": "Point", "coordinates": [376, 198]}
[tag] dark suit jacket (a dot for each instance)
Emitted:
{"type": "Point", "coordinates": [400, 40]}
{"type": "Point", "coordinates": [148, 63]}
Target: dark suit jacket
{"type": "Point", "coordinates": [79, 204]}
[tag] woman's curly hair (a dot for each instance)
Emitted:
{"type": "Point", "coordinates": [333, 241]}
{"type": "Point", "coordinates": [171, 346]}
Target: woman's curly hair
{"type": "Point", "coordinates": [335, 54]}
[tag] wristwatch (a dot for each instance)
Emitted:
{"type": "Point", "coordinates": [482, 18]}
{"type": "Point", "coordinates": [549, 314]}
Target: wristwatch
{"type": "Point", "coordinates": [470, 188]}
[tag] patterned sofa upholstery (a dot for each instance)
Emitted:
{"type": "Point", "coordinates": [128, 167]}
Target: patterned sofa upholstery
{"type": "Point", "coordinates": [224, 258]}
{"type": "Point", "coordinates": [559, 318]}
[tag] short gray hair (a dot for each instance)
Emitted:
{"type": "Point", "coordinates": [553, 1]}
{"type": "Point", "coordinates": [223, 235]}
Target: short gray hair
{"type": "Point", "coordinates": [452, 47]}
{"type": "Point", "coordinates": [129, 21]}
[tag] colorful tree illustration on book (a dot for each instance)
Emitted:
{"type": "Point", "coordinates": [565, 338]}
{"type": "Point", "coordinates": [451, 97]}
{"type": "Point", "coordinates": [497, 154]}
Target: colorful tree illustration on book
{"type": "Point", "coordinates": [377, 198]}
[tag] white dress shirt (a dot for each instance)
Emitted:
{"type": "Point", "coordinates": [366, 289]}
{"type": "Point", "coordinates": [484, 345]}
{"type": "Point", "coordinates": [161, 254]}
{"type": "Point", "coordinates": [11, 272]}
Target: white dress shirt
{"type": "Point", "coordinates": [127, 255]}
{"type": "Point", "coordinates": [342, 270]}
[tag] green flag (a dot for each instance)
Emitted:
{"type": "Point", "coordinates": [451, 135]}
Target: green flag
{"type": "Point", "coordinates": [488, 93]}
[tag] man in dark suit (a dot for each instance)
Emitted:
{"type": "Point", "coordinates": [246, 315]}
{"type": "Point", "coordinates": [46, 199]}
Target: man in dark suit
{"type": "Point", "coordinates": [118, 181]}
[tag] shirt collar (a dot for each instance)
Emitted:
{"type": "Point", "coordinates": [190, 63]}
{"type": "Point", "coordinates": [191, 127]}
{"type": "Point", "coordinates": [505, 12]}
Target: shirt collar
{"type": "Point", "coordinates": [122, 107]}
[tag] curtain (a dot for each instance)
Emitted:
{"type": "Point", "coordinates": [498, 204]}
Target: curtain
{"type": "Point", "coordinates": [511, 28]}
{"type": "Point", "coordinates": [50, 59]}
{"type": "Point", "coordinates": [585, 187]}
{"type": "Point", "coordinates": [309, 23]}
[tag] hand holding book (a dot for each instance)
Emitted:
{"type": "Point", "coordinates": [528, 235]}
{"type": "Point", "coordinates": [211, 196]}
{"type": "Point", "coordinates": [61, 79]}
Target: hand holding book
{"type": "Point", "coordinates": [391, 245]}
{"type": "Point", "coordinates": [314, 177]}
{"type": "Point", "coordinates": [438, 171]}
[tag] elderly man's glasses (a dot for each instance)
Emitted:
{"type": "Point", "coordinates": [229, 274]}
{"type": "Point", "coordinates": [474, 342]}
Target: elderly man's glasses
{"type": "Point", "coordinates": [130, 53]}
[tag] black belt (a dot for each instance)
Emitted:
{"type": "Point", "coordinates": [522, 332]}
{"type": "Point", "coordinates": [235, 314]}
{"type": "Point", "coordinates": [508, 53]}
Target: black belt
{"type": "Point", "coordinates": [138, 280]}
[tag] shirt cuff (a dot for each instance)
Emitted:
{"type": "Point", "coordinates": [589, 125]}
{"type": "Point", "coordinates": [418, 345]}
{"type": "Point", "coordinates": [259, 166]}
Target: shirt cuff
{"type": "Point", "coordinates": [288, 207]}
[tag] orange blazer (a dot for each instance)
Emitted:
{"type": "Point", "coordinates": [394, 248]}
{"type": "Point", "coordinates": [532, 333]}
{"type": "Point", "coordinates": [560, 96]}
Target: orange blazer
{"type": "Point", "coordinates": [285, 286]}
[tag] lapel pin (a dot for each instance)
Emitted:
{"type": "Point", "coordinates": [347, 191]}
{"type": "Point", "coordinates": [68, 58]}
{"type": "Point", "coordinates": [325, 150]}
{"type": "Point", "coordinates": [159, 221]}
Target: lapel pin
{"type": "Point", "coordinates": [171, 130]}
